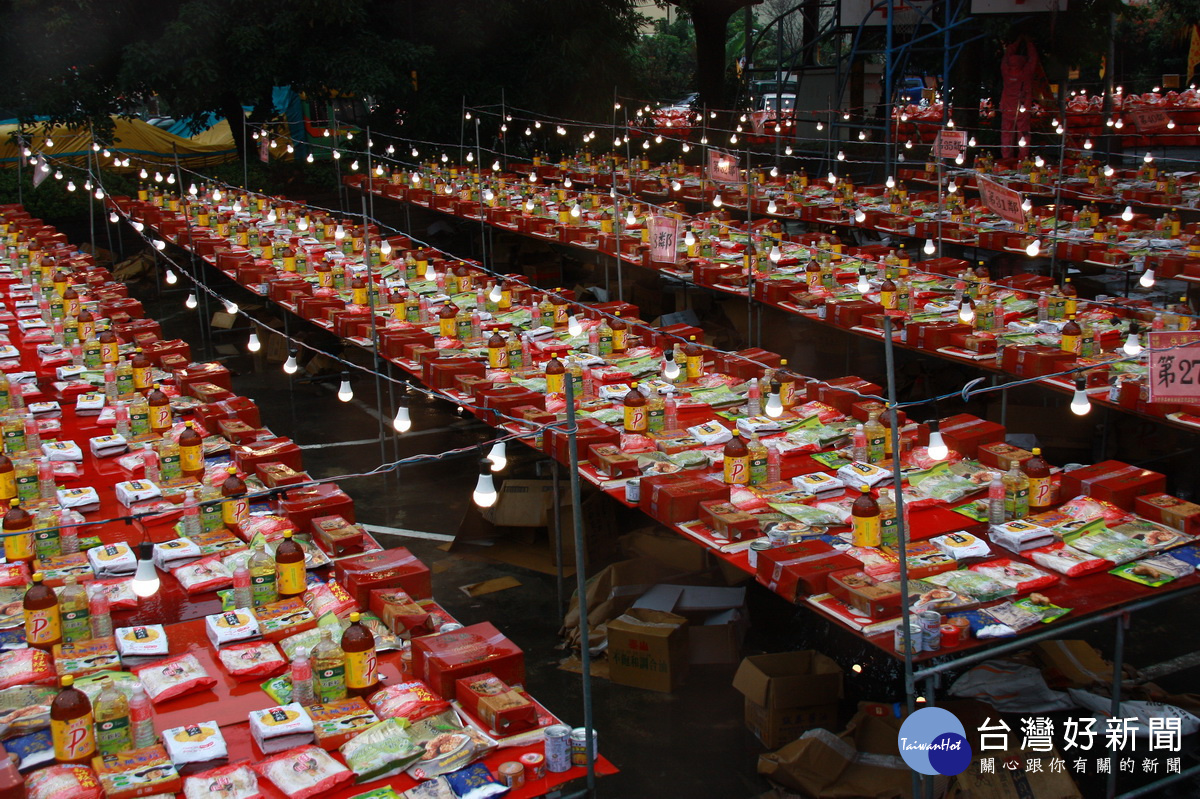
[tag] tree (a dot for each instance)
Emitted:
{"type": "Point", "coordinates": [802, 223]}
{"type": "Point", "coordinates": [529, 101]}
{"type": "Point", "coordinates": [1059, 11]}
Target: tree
{"type": "Point", "coordinates": [710, 18]}
{"type": "Point", "coordinates": [666, 59]}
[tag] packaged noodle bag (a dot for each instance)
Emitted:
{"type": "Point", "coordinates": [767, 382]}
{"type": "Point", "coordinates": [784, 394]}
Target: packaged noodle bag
{"type": "Point", "coordinates": [174, 677]}
{"type": "Point", "coordinates": [408, 701]}
{"type": "Point", "coordinates": [57, 782]}
{"type": "Point", "coordinates": [380, 752]}
{"type": "Point", "coordinates": [195, 743]}
{"type": "Point", "coordinates": [449, 745]}
{"type": "Point", "coordinates": [206, 574]}
{"type": "Point", "coordinates": [236, 781]}
{"type": "Point", "coordinates": [304, 772]}
{"type": "Point", "coordinates": [26, 667]}
{"type": "Point", "coordinates": [255, 660]}
{"type": "Point", "coordinates": [141, 643]}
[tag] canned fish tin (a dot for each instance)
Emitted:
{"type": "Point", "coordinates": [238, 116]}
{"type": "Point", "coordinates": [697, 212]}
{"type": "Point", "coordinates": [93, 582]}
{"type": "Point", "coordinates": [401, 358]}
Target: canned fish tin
{"type": "Point", "coordinates": [512, 774]}
{"type": "Point", "coordinates": [930, 621]}
{"type": "Point", "coordinates": [558, 748]}
{"type": "Point", "coordinates": [755, 548]}
{"type": "Point", "coordinates": [931, 640]}
{"type": "Point", "coordinates": [535, 766]}
{"type": "Point", "coordinates": [914, 632]}
{"type": "Point", "coordinates": [633, 490]}
{"type": "Point", "coordinates": [579, 746]}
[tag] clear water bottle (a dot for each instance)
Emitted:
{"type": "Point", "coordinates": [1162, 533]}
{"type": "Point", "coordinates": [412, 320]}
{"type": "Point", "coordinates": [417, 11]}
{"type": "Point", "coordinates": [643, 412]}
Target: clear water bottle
{"type": "Point", "coordinates": [68, 533]}
{"type": "Point", "coordinates": [100, 613]}
{"type": "Point", "coordinates": [46, 487]}
{"type": "Point", "coordinates": [191, 515]}
{"type": "Point", "coordinates": [141, 715]}
{"type": "Point", "coordinates": [121, 414]}
{"type": "Point", "coordinates": [302, 680]}
{"type": "Point", "coordinates": [242, 597]}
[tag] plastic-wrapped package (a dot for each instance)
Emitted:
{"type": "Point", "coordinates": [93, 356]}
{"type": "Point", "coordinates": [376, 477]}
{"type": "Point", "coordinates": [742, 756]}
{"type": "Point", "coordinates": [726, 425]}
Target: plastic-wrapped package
{"type": "Point", "coordinates": [26, 667]}
{"type": "Point", "coordinates": [235, 781]}
{"type": "Point", "coordinates": [1023, 577]}
{"type": "Point", "coordinates": [381, 751]}
{"type": "Point", "coordinates": [1067, 560]}
{"type": "Point", "coordinates": [408, 701]}
{"type": "Point", "coordinates": [56, 782]}
{"type": "Point", "coordinates": [206, 574]}
{"type": "Point", "coordinates": [195, 743]}
{"type": "Point", "coordinates": [304, 772]}
{"type": "Point", "coordinates": [173, 677]}
{"type": "Point", "coordinates": [449, 745]}
{"type": "Point", "coordinates": [254, 660]}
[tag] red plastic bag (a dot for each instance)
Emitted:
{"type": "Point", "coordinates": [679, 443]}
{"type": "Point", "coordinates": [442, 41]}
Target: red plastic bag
{"type": "Point", "coordinates": [303, 772]}
{"type": "Point", "coordinates": [174, 677]}
{"type": "Point", "coordinates": [254, 660]}
{"type": "Point", "coordinates": [56, 782]}
{"type": "Point", "coordinates": [411, 701]}
{"type": "Point", "coordinates": [26, 667]}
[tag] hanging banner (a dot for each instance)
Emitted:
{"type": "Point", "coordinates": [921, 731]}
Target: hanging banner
{"type": "Point", "coordinates": [264, 149]}
{"type": "Point", "coordinates": [722, 166]}
{"type": "Point", "coordinates": [949, 143]}
{"type": "Point", "coordinates": [1002, 201]}
{"type": "Point", "coordinates": [664, 238]}
{"type": "Point", "coordinates": [1175, 373]}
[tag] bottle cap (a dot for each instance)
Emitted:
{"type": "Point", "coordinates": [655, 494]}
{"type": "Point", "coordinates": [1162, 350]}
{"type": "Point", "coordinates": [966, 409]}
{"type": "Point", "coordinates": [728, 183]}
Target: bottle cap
{"type": "Point", "coordinates": [864, 488]}
{"type": "Point", "coordinates": [67, 681]}
{"type": "Point", "coordinates": [38, 577]}
{"type": "Point", "coordinates": [354, 617]}
{"type": "Point", "coordinates": [287, 533]}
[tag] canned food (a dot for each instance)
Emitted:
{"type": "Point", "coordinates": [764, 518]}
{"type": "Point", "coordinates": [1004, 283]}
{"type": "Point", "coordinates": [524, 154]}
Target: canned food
{"type": "Point", "coordinates": [450, 627]}
{"type": "Point", "coordinates": [778, 538]}
{"type": "Point", "coordinates": [558, 748]}
{"type": "Point", "coordinates": [931, 640]}
{"type": "Point", "coordinates": [930, 621]}
{"type": "Point", "coordinates": [535, 765]}
{"type": "Point", "coordinates": [950, 635]}
{"type": "Point", "coordinates": [914, 632]}
{"type": "Point", "coordinates": [633, 490]}
{"type": "Point", "coordinates": [579, 746]}
{"type": "Point", "coordinates": [963, 625]}
{"type": "Point", "coordinates": [512, 774]}
{"type": "Point", "coordinates": [755, 548]}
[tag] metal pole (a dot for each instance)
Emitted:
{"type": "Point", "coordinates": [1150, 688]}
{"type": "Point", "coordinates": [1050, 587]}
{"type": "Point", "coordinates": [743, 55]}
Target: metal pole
{"type": "Point", "coordinates": [245, 150]}
{"type": "Point", "coordinates": [558, 551]}
{"type": "Point", "coordinates": [887, 83]}
{"type": "Point", "coordinates": [374, 327]}
{"type": "Point", "coordinates": [21, 170]}
{"type": "Point", "coordinates": [1118, 667]}
{"type": "Point", "coordinates": [504, 133]}
{"type": "Point", "coordinates": [585, 655]}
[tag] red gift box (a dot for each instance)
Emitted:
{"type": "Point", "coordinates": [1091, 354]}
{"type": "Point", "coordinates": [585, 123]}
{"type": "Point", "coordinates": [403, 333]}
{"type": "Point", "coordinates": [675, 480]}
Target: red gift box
{"type": "Point", "coordinates": [1172, 511]}
{"type": "Point", "coordinates": [441, 660]}
{"type": "Point", "coordinates": [400, 612]}
{"type": "Point", "coordinates": [591, 431]}
{"type": "Point", "coordinates": [797, 570]}
{"type": "Point", "coordinates": [748, 363]}
{"type": "Point", "coordinates": [204, 373]}
{"type": "Point", "coordinates": [1113, 481]}
{"type": "Point", "coordinates": [1034, 360]}
{"type": "Point", "coordinates": [264, 450]}
{"type": "Point", "coordinates": [489, 699]}
{"type": "Point", "coordinates": [236, 431]}
{"type": "Point", "coordinates": [243, 408]}
{"type": "Point", "coordinates": [964, 433]}
{"type": "Point", "coordinates": [302, 505]}
{"type": "Point", "coordinates": [276, 475]}
{"type": "Point", "coordinates": [674, 498]}
{"type": "Point", "coordinates": [728, 522]}
{"type": "Point", "coordinates": [839, 392]}
{"type": "Point", "coordinates": [865, 594]}
{"type": "Point", "coordinates": [159, 349]}
{"type": "Point", "coordinates": [389, 568]}
{"type": "Point", "coordinates": [393, 340]}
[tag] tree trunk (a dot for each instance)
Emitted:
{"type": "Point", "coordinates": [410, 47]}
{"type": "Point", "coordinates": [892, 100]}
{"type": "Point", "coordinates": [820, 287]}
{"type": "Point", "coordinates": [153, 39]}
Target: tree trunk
{"type": "Point", "coordinates": [232, 109]}
{"type": "Point", "coordinates": [710, 22]}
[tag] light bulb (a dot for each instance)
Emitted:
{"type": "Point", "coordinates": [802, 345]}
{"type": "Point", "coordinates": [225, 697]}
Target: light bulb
{"type": "Point", "coordinates": [1108, 171]}
{"type": "Point", "coordinates": [832, 179]}
{"type": "Point", "coordinates": [159, 244]}
{"type": "Point", "coordinates": [192, 190]}
{"type": "Point", "coordinates": [841, 156]}
{"type": "Point", "coordinates": [1080, 404]}
{"type": "Point", "coordinates": [775, 255]}
{"type": "Point", "coordinates": [290, 366]}
{"type": "Point", "coordinates": [929, 248]}
{"type": "Point", "coordinates": [354, 165]}
{"type": "Point", "coordinates": [1026, 205]}
{"type": "Point", "coordinates": [237, 207]}
{"type": "Point", "coordinates": [958, 159]}
{"type": "Point", "coordinates": [862, 135]}
{"type": "Point", "coordinates": [49, 143]}
{"type": "Point", "coordinates": [379, 170]}
{"type": "Point", "coordinates": [1039, 162]}
{"type": "Point", "coordinates": [676, 185]}
{"type": "Point", "coordinates": [567, 182]}
{"type": "Point", "coordinates": [337, 154]}
{"type": "Point", "coordinates": [402, 422]}
{"type": "Point", "coordinates": [171, 277]}
{"type": "Point", "coordinates": [191, 302]}
{"type": "Point", "coordinates": [717, 201]}
{"type": "Point", "coordinates": [1087, 144]}
{"type": "Point", "coordinates": [670, 369]}
{"type": "Point", "coordinates": [495, 166]}
{"type": "Point", "coordinates": [575, 211]}
{"type": "Point", "coordinates": [495, 295]}
{"type": "Point", "coordinates": [310, 158]}
{"type": "Point", "coordinates": [1147, 279]}
{"type": "Point", "coordinates": [158, 177]}
{"type": "Point", "coordinates": [139, 226]}
{"type": "Point", "coordinates": [99, 194]}
{"type": "Point", "coordinates": [971, 142]}
{"type": "Point", "coordinates": [385, 250]}
{"type": "Point", "coordinates": [497, 455]}
{"type": "Point", "coordinates": [272, 217]}
{"type": "Point", "coordinates": [231, 307]}
{"type": "Point", "coordinates": [485, 489]}
{"type": "Point", "coordinates": [1133, 345]}
{"type": "Point", "coordinates": [630, 218]}
{"type": "Point", "coordinates": [345, 392]}
{"type": "Point", "coordinates": [70, 185]}
{"type": "Point", "coordinates": [252, 343]}
{"type": "Point", "coordinates": [1021, 142]}
{"type": "Point", "coordinates": [890, 182]}
{"type": "Point", "coordinates": [573, 326]}
{"type": "Point", "coordinates": [302, 224]}
{"type": "Point", "coordinates": [529, 205]}
{"type": "Point", "coordinates": [864, 285]}
{"type": "Point", "coordinates": [144, 174]}
{"type": "Point", "coordinates": [937, 448]}
{"type": "Point", "coordinates": [533, 177]}
{"type": "Point", "coordinates": [1127, 214]}
{"type": "Point", "coordinates": [58, 175]}
{"type": "Point", "coordinates": [786, 150]}
{"type": "Point", "coordinates": [339, 233]}
{"type": "Point", "coordinates": [860, 215]}
{"type": "Point", "coordinates": [145, 579]}
{"type": "Point", "coordinates": [488, 195]}
{"type": "Point", "coordinates": [1147, 158]}
{"type": "Point", "coordinates": [952, 186]}
{"type": "Point", "coordinates": [1033, 248]}
{"type": "Point", "coordinates": [113, 217]}
{"type": "Point", "coordinates": [774, 406]}
{"type": "Point", "coordinates": [772, 208]}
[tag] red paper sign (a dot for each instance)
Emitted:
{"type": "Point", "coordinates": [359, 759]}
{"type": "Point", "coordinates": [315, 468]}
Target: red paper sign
{"type": "Point", "coordinates": [264, 149]}
{"type": "Point", "coordinates": [949, 143]}
{"type": "Point", "coordinates": [1002, 201]}
{"type": "Point", "coordinates": [722, 166]}
{"type": "Point", "coordinates": [1148, 119]}
{"type": "Point", "coordinates": [1175, 366]}
{"type": "Point", "coordinates": [664, 234]}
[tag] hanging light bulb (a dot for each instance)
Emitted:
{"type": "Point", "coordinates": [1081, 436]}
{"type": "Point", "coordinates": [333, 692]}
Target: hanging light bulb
{"type": "Point", "coordinates": [231, 307]}
{"type": "Point", "coordinates": [99, 194]}
{"type": "Point", "coordinates": [290, 366]}
{"type": "Point", "coordinates": [717, 201]}
{"type": "Point", "coordinates": [112, 217]}
{"type": "Point", "coordinates": [496, 166]}
{"type": "Point", "coordinates": [786, 150]}
{"type": "Point", "coordinates": [831, 179]}
{"type": "Point", "coordinates": [402, 422]}
{"type": "Point", "coordinates": [1109, 171]}
{"type": "Point", "coordinates": [1127, 214]}
{"type": "Point", "coordinates": [890, 182]}
{"type": "Point", "coordinates": [379, 170]}
{"type": "Point", "coordinates": [772, 208]}
{"type": "Point", "coordinates": [272, 217]}
{"type": "Point", "coordinates": [337, 154]}
{"type": "Point", "coordinates": [345, 392]}
{"type": "Point", "coordinates": [576, 211]}
{"type": "Point", "coordinates": [1147, 158]}
{"type": "Point", "coordinates": [171, 277]}
{"type": "Point", "coordinates": [775, 255]}
{"type": "Point", "coordinates": [733, 138]}
{"type": "Point", "coordinates": [1026, 205]}
{"type": "Point", "coordinates": [498, 456]}
{"type": "Point", "coordinates": [485, 489]}
{"type": "Point", "coordinates": [971, 142]}
{"type": "Point", "coordinates": [1080, 404]}
{"type": "Point", "coordinates": [70, 185]}
{"type": "Point", "coordinates": [959, 159]}
{"type": "Point", "coordinates": [774, 406]}
{"type": "Point", "coordinates": [864, 284]}
{"type": "Point", "coordinates": [630, 218]}
{"type": "Point", "coordinates": [820, 126]}
{"type": "Point", "coordinates": [1039, 162]}
{"type": "Point", "coordinates": [385, 250]}
{"type": "Point", "coordinates": [841, 156]}
{"type": "Point", "coordinates": [966, 311]}
{"type": "Point", "coordinates": [143, 174]}
{"type": "Point", "coordinates": [937, 448]}
{"type": "Point", "coordinates": [1147, 278]}
{"type": "Point", "coordinates": [193, 191]}
{"type": "Point", "coordinates": [145, 580]}
{"type": "Point", "coordinates": [237, 207]}
{"type": "Point", "coordinates": [139, 226]}
{"type": "Point", "coordinates": [354, 165]}
{"type": "Point", "coordinates": [529, 204]}
{"type": "Point", "coordinates": [689, 238]}
{"type": "Point", "coordinates": [191, 302]}
{"type": "Point", "coordinates": [339, 233]}
{"type": "Point", "coordinates": [1021, 142]}
{"type": "Point", "coordinates": [58, 175]}
{"type": "Point", "coordinates": [302, 224]}
{"type": "Point", "coordinates": [1087, 144]}
{"type": "Point", "coordinates": [159, 244]}
{"type": "Point", "coordinates": [952, 186]}
{"type": "Point", "coordinates": [496, 293]}
{"type": "Point", "coordinates": [860, 215]}
{"type": "Point", "coordinates": [1033, 248]}
{"type": "Point", "coordinates": [488, 195]}
{"type": "Point", "coordinates": [929, 248]}
{"type": "Point", "coordinates": [1133, 345]}
{"type": "Point", "coordinates": [252, 343]}
{"type": "Point", "coordinates": [908, 144]}
{"type": "Point", "coordinates": [310, 158]}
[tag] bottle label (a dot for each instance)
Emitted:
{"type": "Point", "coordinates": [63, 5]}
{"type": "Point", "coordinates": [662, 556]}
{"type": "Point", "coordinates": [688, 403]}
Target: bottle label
{"type": "Point", "coordinates": [875, 449]}
{"type": "Point", "coordinates": [76, 625]}
{"type": "Point", "coordinates": [554, 384]}
{"type": "Point", "coordinates": [191, 459]}
{"type": "Point", "coordinates": [867, 531]}
{"type": "Point", "coordinates": [114, 735]}
{"type": "Point", "coordinates": [1016, 504]}
{"type": "Point", "coordinates": [139, 423]}
{"type": "Point", "coordinates": [169, 468]}
{"type": "Point", "coordinates": [14, 440]}
{"type": "Point", "coordinates": [787, 393]}
{"type": "Point", "coordinates": [8, 484]}
{"type": "Point", "coordinates": [498, 357]}
{"type": "Point", "coordinates": [125, 385]}
{"type": "Point", "coordinates": [656, 419]}
{"type": "Point", "coordinates": [360, 669]}
{"type": "Point", "coordinates": [1040, 490]}
{"type": "Point", "coordinates": [618, 340]}
{"type": "Point", "coordinates": [109, 352]}
{"type": "Point", "coordinates": [889, 531]}
{"type": "Point", "coordinates": [331, 683]}
{"type": "Point", "coordinates": [1070, 344]}
{"type": "Point", "coordinates": [27, 487]}
{"type": "Point", "coordinates": [74, 739]}
{"type": "Point", "coordinates": [160, 417]}
{"type": "Point", "coordinates": [635, 419]}
{"type": "Point", "coordinates": [447, 327]}
{"type": "Point", "coordinates": [42, 626]}
{"type": "Point", "coordinates": [291, 578]}
{"type": "Point", "coordinates": [212, 518]}
{"type": "Point", "coordinates": [46, 543]}
{"type": "Point", "coordinates": [888, 300]}
{"type": "Point", "coordinates": [262, 589]}
{"type": "Point", "coordinates": [695, 366]}
{"type": "Point", "coordinates": [234, 511]}
{"type": "Point", "coordinates": [758, 470]}
{"type": "Point", "coordinates": [737, 469]}
{"type": "Point", "coordinates": [18, 547]}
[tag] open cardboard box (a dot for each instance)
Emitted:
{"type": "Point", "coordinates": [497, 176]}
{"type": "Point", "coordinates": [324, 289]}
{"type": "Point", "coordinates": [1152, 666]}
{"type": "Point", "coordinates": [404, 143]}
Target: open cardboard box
{"type": "Point", "coordinates": [788, 693]}
{"type": "Point", "coordinates": [648, 649]}
{"type": "Point", "coordinates": [716, 617]}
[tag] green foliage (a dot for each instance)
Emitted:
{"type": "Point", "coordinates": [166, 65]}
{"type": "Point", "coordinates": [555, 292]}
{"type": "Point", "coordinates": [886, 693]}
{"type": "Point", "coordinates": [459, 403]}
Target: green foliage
{"type": "Point", "coordinates": [666, 59]}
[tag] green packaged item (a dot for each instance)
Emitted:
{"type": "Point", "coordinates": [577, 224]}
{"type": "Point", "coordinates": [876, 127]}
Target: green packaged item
{"type": "Point", "coordinates": [381, 751]}
{"type": "Point", "coordinates": [972, 584]}
{"type": "Point", "coordinates": [279, 689]}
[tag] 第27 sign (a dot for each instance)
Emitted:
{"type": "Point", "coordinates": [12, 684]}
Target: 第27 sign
{"type": "Point", "coordinates": [1175, 366]}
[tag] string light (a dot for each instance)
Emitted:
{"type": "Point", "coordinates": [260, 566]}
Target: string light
{"type": "Point", "coordinates": [966, 311]}
{"type": "Point", "coordinates": [252, 343]}
{"type": "Point", "coordinates": [717, 201]}
{"type": "Point", "coordinates": [171, 277]}
{"type": "Point", "coordinates": [145, 581]}
{"type": "Point", "coordinates": [290, 366]}
{"type": "Point", "coordinates": [231, 307]}
{"type": "Point", "coordinates": [1033, 248]}
{"type": "Point", "coordinates": [498, 456]}
{"type": "Point", "coordinates": [402, 422]}
{"type": "Point", "coordinates": [772, 208]}
{"type": "Point", "coordinates": [670, 369]}
{"type": "Point", "coordinates": [1133, 345]}
{"type": "Point", "coordinates": [937, 448]}
{"type": "Point", "coordinates": [774, 405]}
{"type": "Point", "coordinates": [191, 302]}
{"type": "Point", "coordinates": [1147, 278]}
{"type": "Point", "coordinates": [345, 391]}
{"type": "Point", "coordinates": [484, 494]}
{"type": "Point", "coordinates": [864, 284]}
{"type": "Point", "coordinates": [1080, 404]}
{"type": "Point", "coordinates": [929, 248]}
{"type": "Point", "coordinates": [1127, 214]}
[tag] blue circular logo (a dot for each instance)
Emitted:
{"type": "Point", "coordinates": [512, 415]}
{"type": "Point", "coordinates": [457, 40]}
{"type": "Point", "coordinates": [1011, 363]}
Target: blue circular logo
{"type": "Point", "coordinates": [933, 741]}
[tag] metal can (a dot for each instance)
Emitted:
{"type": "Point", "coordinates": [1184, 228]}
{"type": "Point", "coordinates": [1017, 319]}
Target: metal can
{"type": "Point", "coordinates": [535, 765]}
{"type": "Point", "coordinates": [931, 640]}
{"type": "Point", "coordinates": [558, 748]}
{"type": "Point", "coordinates": [512, 774]}
{"type": "Point", "coordinates": [755, 548]}
{"type": "Point", "coordinates": [579, 746]}
{"type": "Point", "coordinates": [450, 627]}
{"type": "Point", "coordinates": [964, 627]}
{"type": "Point", "coordinates": [914, 632]}
{"type": "Point", "coordinates": [950, 635]}
{"type": "Point", "coordinates": [930, 621]}
{"type": "Point", "coordinates": [633, 490]}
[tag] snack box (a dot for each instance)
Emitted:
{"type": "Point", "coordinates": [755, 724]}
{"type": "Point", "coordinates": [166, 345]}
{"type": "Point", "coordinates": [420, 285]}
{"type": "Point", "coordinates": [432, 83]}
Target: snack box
{"type": "Point", "coordinates": [964, 433]}
{"type": "Point", "coordinates": [391, 568]}
{"type": "Point", "coordinates": [302, 505]}
{"type": "Point", "coordinates": [276, 475]}
{"type": "Point", "coordinates": [334, 723]}
{"type": "Point", "coordinates": [400, 612]}
{"type": "Point", "coordinates": [675, 498]}
{"type": "Point", "coordinates": [80, 658]}
{"type": "Point", "coordinates": [879, 600]}
{"type": "Point", "coordinates": [1001, 456]}
{"type": "Point", "coordinates": [797, 570]}
{"type": "Point", "coordinates": [728, 522]}
{"type": "Point", "coordinates": [141, 772]}
{"type": "Point", "coordinates": [278, 620]}
{"type": "Point", "coordinates": [489, 699]}
{"type": "Point", "coordinates": [1172, 511]}
{"type": "Point", "coordinates": [1020, 535]}
{"type": "Point", "coordinates": [1113, 481]}
{"type": "Point", "coordinates": [439, 660]}
{"type": "Point", "coordinates": [337, 536]}
{"type": "Point", "coordinates": [610, 461]}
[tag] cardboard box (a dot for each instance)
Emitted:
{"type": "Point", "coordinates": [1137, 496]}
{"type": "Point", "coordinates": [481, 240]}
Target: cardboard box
{"type": "Point", "coordinates": [716, 616]}
{"type": "Point", "coordinates": [648, 649]}
{"type": "Point", "coordinates": [524, 503]}
{"type": "Point", "coordinates": [1074, 664]}
{"type": "Point", "coordinates": [787, 693]}
{"type": "Point", "coordinates": [1015, 783]}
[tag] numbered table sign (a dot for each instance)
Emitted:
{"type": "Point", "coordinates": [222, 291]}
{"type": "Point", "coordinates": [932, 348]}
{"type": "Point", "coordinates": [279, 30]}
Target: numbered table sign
{"type": "Point", "coordinates": [1175, 366]}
